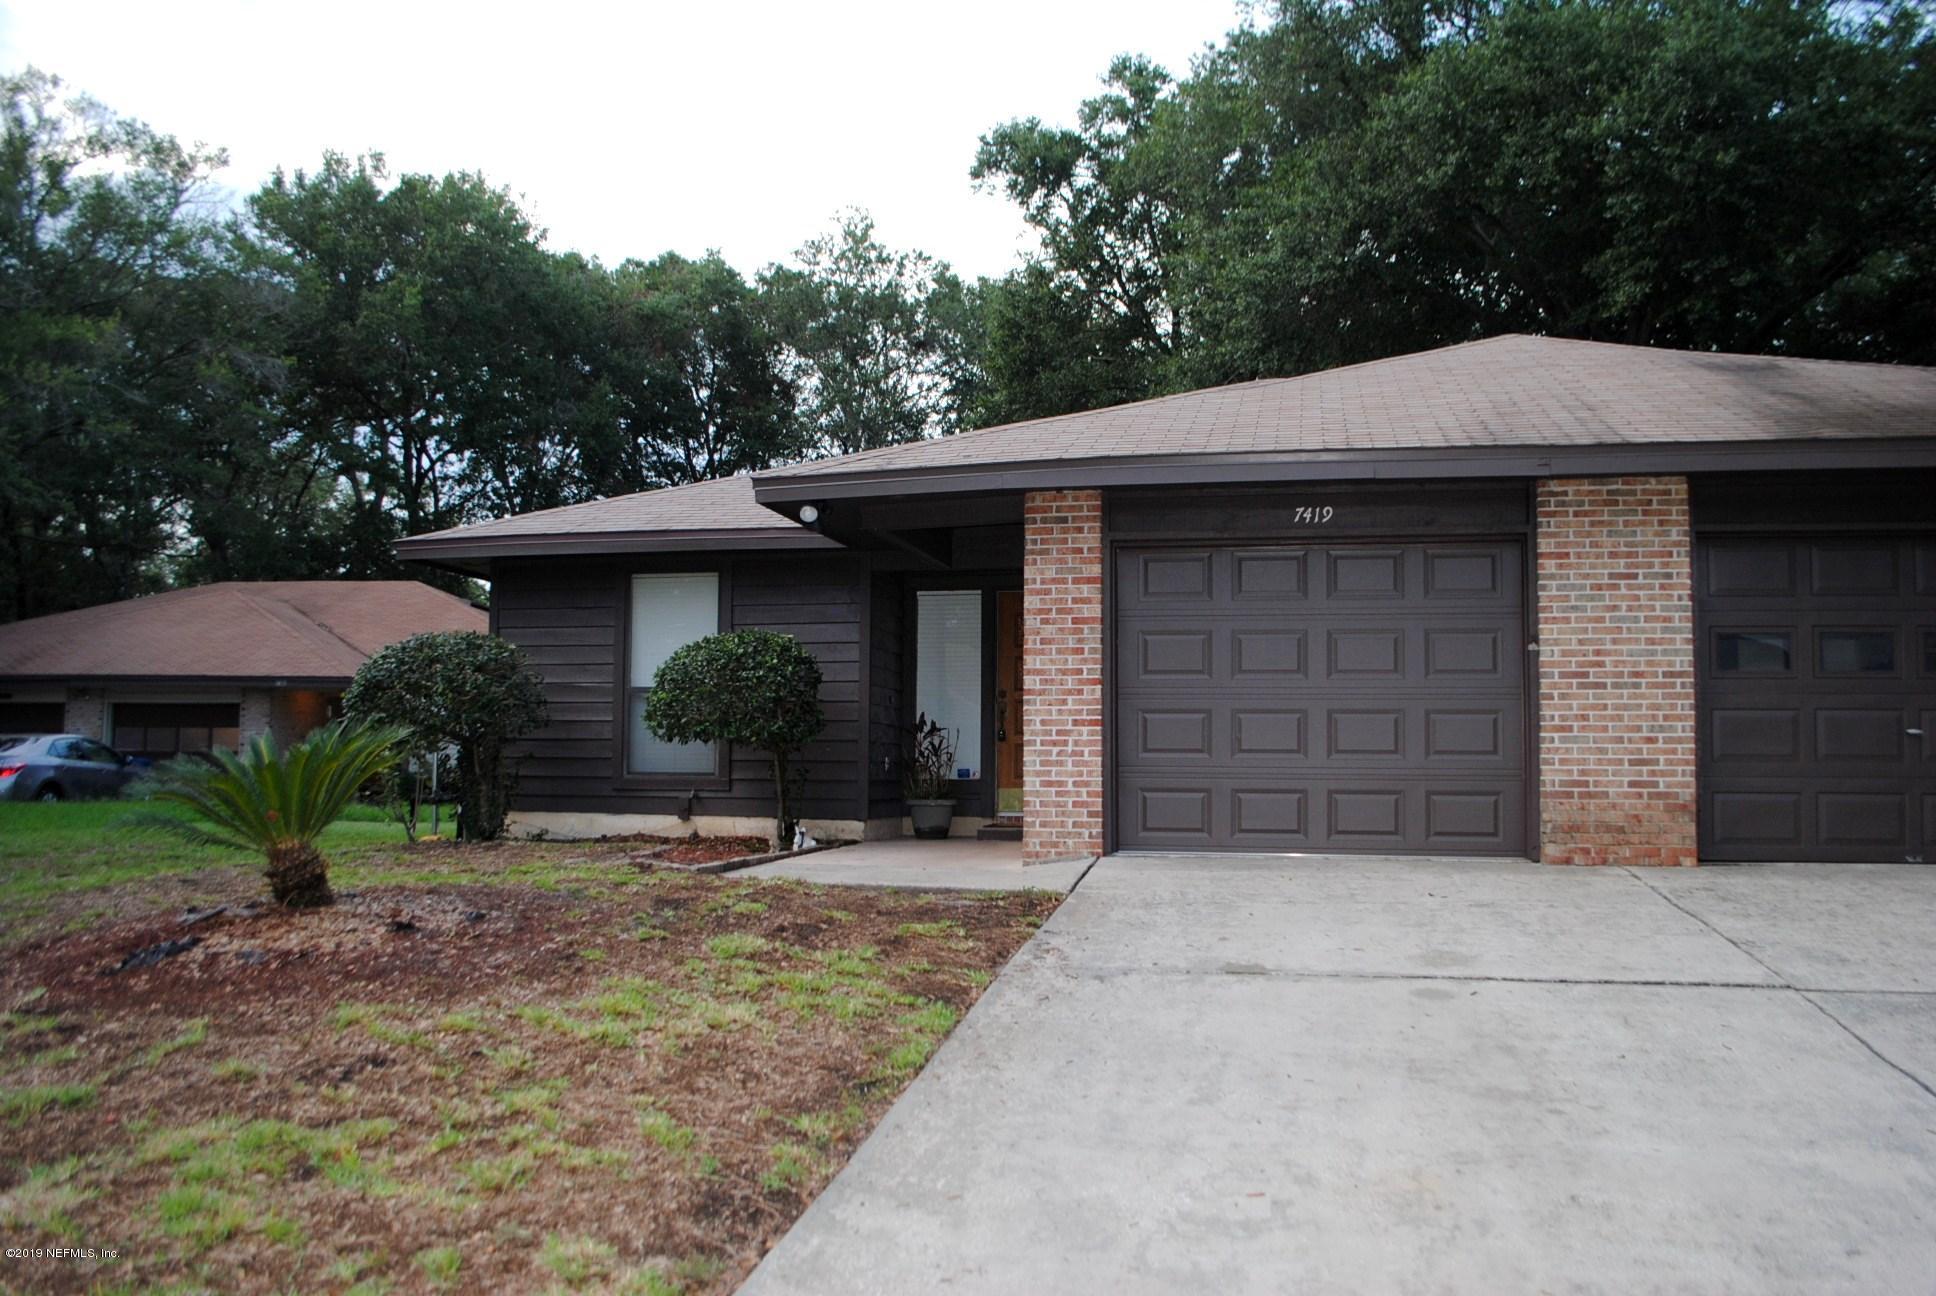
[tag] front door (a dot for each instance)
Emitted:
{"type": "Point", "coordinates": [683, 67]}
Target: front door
{"type": "Point", "coordinates": [1008, 702]}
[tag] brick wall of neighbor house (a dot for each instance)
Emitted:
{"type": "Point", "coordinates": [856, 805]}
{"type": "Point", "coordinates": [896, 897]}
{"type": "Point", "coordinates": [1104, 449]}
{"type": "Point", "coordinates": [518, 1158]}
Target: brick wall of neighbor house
{"type": "Point", "coordinates": [1616, 671]}
{"type": "Point", "coordinates": [87, 713]}
{"type": "Point", "coordinates": [257, 716]}
{"type": "Point", "coordinates": [1062, 649]}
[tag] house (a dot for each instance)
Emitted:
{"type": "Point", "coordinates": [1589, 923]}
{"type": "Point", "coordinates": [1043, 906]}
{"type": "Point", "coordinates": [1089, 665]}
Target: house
{"type": "Point", "coordinates": [212, 666]}
{"type": "Point", "coordinates": [1526, 597]}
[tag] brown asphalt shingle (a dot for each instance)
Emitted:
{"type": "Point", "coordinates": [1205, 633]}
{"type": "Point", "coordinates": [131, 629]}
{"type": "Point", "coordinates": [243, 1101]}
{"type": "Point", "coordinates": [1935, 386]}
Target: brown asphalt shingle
{"type": "Point", "coordinates": [723, 505]}
{"type": "Point", "coordinates": [1503, 392]}
{"type": "Point", "coordinates": [315, 630]}
{"type": "Point", "coordinates": [1511, 391]}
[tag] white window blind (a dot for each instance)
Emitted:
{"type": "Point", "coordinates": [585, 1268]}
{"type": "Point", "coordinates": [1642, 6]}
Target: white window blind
{"type": "Point", "coordinates": [948, 670]}
{"type": "Point", "coordinates": [669, 611]}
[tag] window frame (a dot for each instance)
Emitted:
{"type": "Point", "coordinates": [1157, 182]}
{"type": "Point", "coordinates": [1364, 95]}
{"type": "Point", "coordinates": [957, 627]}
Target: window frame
{"type": "Point", "coordinates": [1819, 671]}
{"type": "Point", "coordinates": [1717, 633]}
{"type": "Point", "coordinates": [624, 779]}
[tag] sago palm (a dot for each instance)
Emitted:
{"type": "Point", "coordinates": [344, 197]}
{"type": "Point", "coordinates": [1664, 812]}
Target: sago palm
{"type": "Point", "coordinates": [277, 802]}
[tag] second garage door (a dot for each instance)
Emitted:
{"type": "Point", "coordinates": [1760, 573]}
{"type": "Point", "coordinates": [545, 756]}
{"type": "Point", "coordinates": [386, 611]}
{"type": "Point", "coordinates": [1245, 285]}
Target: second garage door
{"type": "Point", "coordinates": [1817, 678]}
{"type": "Point", "coordinates": [1357, 697]}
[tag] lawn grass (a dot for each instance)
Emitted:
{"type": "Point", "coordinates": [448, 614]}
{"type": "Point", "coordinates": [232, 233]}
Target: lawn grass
{"type": "Point", "coordinates": [434, 1085]}
{"type": "Point", "coordinates": [48, 850]}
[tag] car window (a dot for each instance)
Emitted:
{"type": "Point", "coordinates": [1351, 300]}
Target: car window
{"type": "Point", "coordinates": [65, 748]}
{"type": "Point", "coordinates": [99, 754]}
{"type": "Point", "coordinates": [13, 742]}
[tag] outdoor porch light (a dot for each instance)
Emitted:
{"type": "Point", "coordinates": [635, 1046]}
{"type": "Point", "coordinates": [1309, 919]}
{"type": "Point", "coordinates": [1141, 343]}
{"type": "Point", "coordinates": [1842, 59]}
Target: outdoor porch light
{"type": "Point", "coordinates": [809, 513]}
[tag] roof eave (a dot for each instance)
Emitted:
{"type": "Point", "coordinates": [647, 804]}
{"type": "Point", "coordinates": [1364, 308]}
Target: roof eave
{"type": "Point", "coordinates": [1195, 469]}
{"type": "Point", "coordinates": [446, 552]}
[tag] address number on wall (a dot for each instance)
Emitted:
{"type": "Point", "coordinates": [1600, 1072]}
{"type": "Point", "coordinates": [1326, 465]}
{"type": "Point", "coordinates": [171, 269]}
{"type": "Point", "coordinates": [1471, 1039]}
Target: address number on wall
{"type": "Point", "coordinates": [1312, 514]}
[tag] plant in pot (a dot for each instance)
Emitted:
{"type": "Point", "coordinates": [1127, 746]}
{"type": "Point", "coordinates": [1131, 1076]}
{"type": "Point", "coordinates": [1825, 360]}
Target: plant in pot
{"type": "Point", "coordinates": [928, 782]}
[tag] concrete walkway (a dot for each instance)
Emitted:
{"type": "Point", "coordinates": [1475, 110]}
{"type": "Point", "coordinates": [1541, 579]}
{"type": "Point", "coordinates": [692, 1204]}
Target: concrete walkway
{"type": "Point", "coordinates": [958, 864]}
{"type": "Point", "coordinates": [1420, 1076]}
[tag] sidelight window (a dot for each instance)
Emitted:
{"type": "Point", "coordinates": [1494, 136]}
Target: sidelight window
{"type": "Point", "coordinates": [948, 670]}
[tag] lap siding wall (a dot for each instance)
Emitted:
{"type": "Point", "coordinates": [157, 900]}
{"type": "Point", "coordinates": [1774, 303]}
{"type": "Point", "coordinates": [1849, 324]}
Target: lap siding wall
{"type": "Point", "coordinates": [569, 617]}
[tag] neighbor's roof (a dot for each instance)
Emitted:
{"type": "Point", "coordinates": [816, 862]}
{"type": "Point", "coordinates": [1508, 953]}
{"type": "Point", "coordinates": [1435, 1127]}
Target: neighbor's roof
{"type": "Point", "coordinates": [1506, 393]}
{"type": "Point", "coordinates": [695, 516]}
{"type": "Point", "coordinates": [309, 631]}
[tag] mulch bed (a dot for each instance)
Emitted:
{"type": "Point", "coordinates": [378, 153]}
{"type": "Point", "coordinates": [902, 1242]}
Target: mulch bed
{"type": "Point", "coordinates": [592, 1085]}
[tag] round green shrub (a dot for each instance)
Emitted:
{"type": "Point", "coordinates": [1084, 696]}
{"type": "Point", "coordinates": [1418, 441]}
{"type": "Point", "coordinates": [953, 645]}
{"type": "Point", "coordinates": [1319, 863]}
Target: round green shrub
{"type": "Point", "coordinates": [462, 689]}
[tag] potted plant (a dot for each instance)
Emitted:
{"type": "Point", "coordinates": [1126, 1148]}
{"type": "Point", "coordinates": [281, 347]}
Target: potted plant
{"type": "Point", "coordinates": [928, 783]}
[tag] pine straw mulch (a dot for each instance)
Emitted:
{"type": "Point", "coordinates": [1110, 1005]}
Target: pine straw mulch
{"type": "Point", "coordinates": [564, 1068]}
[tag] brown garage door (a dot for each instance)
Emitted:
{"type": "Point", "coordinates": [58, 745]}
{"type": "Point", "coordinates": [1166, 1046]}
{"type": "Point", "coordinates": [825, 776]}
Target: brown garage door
{"type": "Point", "coordinates": [1321, 698]}
{"type": "Point", "coordinates": [1817, 672]}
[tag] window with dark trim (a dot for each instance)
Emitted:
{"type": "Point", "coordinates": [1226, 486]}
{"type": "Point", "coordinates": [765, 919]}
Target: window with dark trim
{"type": "Point", "coordinates": [1753, 652]}
{"type": "Point", "coordinates": [1855, 652]}
{"type": "Point", "coordinates": [668, 611]}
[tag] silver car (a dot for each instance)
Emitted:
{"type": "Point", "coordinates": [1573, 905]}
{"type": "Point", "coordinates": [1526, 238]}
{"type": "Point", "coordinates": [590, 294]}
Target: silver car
{"type": "Point", "coordinates": [62, 767]}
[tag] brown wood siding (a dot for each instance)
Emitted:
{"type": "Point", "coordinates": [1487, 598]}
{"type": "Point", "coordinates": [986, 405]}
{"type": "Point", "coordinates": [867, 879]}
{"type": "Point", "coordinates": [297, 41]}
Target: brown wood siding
{"type": "Point", "coordinates": [569, 618]}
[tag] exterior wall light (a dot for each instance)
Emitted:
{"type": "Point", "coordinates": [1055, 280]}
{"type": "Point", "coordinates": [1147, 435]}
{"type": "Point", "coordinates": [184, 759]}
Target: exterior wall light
{"type": "Point", "coordinates": [809, 514]}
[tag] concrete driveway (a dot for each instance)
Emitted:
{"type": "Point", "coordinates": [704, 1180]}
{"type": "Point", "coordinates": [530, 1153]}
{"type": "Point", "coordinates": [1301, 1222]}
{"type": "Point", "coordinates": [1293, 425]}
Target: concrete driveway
{"type": "Point", "coordinates": [1331, 1075]}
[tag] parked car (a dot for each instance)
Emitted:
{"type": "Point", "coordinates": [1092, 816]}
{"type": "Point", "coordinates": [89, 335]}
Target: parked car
{"type": "Point", "coordinates": [61, 767]}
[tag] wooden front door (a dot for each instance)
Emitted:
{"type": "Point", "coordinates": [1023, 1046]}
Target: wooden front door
{"type": "Point", "coordinates": [1008, 702]}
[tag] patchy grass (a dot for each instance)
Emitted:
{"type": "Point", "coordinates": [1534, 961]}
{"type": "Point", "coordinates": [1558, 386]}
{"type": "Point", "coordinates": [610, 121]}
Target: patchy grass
{"type": "Point", "coordinates": [433, 1085]}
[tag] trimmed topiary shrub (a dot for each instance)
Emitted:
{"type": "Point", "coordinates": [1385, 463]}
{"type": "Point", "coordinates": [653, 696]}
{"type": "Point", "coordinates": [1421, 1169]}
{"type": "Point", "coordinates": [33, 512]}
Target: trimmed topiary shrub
{"type": "Point", "coordinates": [753, 687]}
{"type": "Point", "coordinates": [462, 689]}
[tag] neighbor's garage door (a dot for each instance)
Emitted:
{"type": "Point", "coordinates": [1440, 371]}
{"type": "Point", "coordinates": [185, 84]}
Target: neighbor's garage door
{"type": "Point", "coordinates": [32, 717]}
{"type": "Point", "coordinates": [1817, 672]}
{"type": "Point", "coordinates": [1323, 698]}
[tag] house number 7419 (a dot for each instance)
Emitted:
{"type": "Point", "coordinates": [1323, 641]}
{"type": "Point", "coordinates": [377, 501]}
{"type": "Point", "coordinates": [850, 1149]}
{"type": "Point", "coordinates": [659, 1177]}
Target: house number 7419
{"type": "Point", "coordinates": [1310, 514]}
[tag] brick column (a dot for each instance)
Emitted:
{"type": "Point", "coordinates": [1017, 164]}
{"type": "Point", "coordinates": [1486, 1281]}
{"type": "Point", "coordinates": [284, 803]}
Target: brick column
{"type": "Point", "coordinates": [256, 718]}
{"type": "Point", "coordinates": [1062, 765]}
{"type": "Point", "coordinates": [1616, 671]}
{"type": "Point", "coordinates": [87, 713]}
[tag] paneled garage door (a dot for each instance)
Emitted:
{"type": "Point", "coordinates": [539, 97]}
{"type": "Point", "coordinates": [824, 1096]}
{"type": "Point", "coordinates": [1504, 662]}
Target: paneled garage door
{"type": "Point", "coordinates": [1817, 675]}
{"type": "Point", "coordinates": [1321, 698]}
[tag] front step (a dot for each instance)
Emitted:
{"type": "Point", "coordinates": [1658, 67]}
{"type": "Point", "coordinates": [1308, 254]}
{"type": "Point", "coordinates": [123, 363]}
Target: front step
{"type": "Point", "coordinates": [1002, 828]}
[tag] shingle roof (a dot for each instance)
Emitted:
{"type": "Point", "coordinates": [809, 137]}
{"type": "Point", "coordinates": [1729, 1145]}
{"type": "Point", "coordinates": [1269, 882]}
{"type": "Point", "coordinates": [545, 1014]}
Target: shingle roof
{"type": "Point", "coordinates": [1502, 393]}
{"type": "Point", "coordinates": [1511, 391]}
{"type": "Point", "coordinates": [235, 630]}
{"type": "Point", "coordinates": [723, 505]}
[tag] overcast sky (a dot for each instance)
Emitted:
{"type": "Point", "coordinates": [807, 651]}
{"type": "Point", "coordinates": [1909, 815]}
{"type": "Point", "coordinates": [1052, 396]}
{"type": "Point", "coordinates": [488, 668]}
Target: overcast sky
{"type": "Point", "coordinates": [628, 129]}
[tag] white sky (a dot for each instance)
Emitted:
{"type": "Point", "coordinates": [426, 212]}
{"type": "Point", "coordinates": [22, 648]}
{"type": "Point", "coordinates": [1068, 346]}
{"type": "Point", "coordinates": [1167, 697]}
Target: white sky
{"type": "Point", "coordinates": [628, 129]}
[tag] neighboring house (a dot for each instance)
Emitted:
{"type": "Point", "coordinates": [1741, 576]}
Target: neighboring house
{"type": "Point", "coordinates": [1522, 597]}
{"type": "Point", "coordinates": [211, 666]}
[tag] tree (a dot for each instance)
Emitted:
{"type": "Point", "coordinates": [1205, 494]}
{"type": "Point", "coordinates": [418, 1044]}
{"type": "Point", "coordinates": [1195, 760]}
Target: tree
{"type": "Point", "coordinates": [693, 375]}
{"type": "Point", "coordinates": [274, 802]}
{"type": "Point", "coordinates": [755, 687]}
{"type": "Point", "coordinates": [1338, 183]}
{"type": "Point", "coordinates": [462, 689]}
{"type": "Point", "coordinates": [113, 350]}
{"type": "Point", "coordinates": [874, 339]}
{"type": "Point", "coordinates": [1094, 320]}
{"type": "Point", "coordinates": [436, 349]}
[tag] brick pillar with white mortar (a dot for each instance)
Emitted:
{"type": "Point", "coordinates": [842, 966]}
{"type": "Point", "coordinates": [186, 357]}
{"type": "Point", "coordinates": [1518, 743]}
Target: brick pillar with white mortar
{"type": "Point", "coordinates": [1616, 671]}
{"type": "Point", "coordinates": [1062, 630]}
